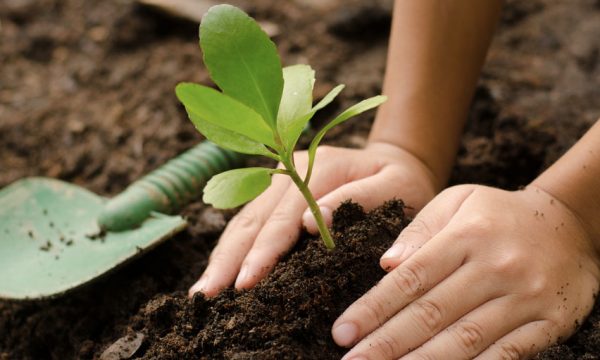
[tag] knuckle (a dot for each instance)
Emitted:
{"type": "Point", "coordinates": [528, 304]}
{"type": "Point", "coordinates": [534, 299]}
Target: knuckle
{"type": "Point", "coordinates": [246, 221]}
{"type": "Point", "coordinates": [372, 308]}
{"type": "Point", "coordinates": [428, 314]}
{"type": "Point", "coordinates": [409, 278]}
{"type": "Point", "coordinates": [279, 216]}
{"type": "Point", "coordinates": [510, 351]}
{"type": "Point", "coordinates": [478, 225]}
{"type": "Point", "coordinates": [384, 346]}
{"type": "Point", "coordinates": [469, 336]}
{"type": "Point", "coordinates": [218, 257]}
{"type": "Point", "coordinates": [463, 189]}
{"type": "Point", "coordinates": [325, 150]}
{"type": "Point", "coordinates": [422, 355]}
{"type": "Point", "coordinates": [361, 190]}
{"type": "Point", "coordinates": [538, 284]}
{"type": "Point", "coordinates": [510, 261]}
{"type": "Point", "coordinates": [417, 227]}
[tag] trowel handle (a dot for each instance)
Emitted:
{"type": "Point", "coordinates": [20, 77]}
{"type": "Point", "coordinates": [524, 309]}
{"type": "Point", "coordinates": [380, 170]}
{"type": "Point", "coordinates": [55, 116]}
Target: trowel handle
{"type": "Point", "coordinates": [168, 188]}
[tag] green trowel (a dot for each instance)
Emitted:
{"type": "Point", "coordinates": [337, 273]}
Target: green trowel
{"type": "Point", "coordinates": [55, 236]}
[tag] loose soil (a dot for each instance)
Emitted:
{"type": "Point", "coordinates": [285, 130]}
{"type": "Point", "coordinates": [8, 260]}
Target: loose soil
{"type": "Point", "coordinates": [86, 95]}
{"type": "Point", "coordinates": [289, 314]}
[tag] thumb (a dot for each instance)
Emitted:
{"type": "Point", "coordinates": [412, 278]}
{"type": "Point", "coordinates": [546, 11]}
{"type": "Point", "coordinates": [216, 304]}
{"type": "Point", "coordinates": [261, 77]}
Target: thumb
{"type": "Point", "coordinates": [428, 223]}
{"type": "Point", "coordinates": [369, 192]}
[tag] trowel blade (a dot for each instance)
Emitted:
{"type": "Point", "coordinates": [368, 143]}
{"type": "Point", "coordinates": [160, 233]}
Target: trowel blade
{"type": "Point", "coordinates": [50, 242]}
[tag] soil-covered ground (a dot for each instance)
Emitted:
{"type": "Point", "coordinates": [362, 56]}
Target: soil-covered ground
{"type": "Point", "coordinates": [86, 95]}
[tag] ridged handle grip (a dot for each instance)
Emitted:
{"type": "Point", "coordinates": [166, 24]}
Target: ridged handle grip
{"type": "Point", "coordinates": [168, 188]}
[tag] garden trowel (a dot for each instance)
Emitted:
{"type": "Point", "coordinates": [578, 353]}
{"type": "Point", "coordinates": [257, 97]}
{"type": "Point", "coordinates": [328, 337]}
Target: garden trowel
{"type": "Point", "coordinates": [55, 236]}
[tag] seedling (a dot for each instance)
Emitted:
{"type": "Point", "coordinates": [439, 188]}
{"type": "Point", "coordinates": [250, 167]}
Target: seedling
{"type": "Point", "coordinates": [262, 109]}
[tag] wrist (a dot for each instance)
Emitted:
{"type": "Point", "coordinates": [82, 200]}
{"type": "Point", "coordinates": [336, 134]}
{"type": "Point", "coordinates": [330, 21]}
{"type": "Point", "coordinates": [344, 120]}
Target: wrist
{"type": "Point", "coordinates": [420, 168]}
{"type": "Point", "coordinates": [559, 190]}
{"type": "Point", "coordinates": [435, 146]}
{"type": "Point", "coordinates": [574, 180]}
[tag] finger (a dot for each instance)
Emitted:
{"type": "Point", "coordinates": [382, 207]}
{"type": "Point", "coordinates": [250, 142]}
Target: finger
{"type": "Point", "coordinates": [523, 342]}
{"type": "Point", "coordinates": [281, 229]}
{"type": "Point", "coordinates": [237, 239]}
{"type": "Point", "coordinates": [369, 192]}
{"type": "Point", "coordinates": [397, 289]}
{"type": "Point", "coordinates": [428, 315]}
{"type": "Point", "coordinates": [278, 234]}
{"type": "Point", "coordinates": [476, 331]}
{"type": "Point", "coordinates": [428, 223]}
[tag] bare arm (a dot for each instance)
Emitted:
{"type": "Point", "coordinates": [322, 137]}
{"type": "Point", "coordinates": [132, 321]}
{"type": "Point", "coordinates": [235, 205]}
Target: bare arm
{"type": "Point", "coordinates": [437, 48]}
{"type": "Point", "coordinates": [575, 180]}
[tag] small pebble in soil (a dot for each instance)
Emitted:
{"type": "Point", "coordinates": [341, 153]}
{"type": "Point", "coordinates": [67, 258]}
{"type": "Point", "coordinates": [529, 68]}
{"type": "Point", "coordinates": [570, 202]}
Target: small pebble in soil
{"type": "Point", "coordinates": [100, 235]}
{"type": "Point", "coordinates": [47, 246]}
{"type": "Point", "coordinates": [124, 348]}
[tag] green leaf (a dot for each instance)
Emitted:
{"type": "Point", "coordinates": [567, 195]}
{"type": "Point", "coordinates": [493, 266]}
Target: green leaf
{"type": "Point", "coordinates": [294, 128]}
{"type": "Point", "coordinates": [328, 98]}
{"type": "Point", "coordinates": [236, 187]}
{"type": "Point", "coordinates": [296, 101]}
{"type": "Point", "coordinates": [349, 113]}
{"type": "Point", "coordinates": [230, 139]}
{"type": "Point", "coordinates": [219, 109]}
{"type": "Point", "coordinates": [242, 60]}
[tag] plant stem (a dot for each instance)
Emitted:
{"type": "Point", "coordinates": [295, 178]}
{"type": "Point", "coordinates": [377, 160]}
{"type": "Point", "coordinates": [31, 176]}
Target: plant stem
{"type": "Point", "coordinates": [312, 204]}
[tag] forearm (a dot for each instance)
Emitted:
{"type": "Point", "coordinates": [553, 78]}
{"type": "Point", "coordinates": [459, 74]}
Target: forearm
{"type": "Point", "coordinates": [437, 48]}
{"type": "Point", "coordinates": [575, 180]}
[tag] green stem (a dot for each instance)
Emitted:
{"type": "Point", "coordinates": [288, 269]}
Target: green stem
{"type": "Point", "coordinates": [312, 203]}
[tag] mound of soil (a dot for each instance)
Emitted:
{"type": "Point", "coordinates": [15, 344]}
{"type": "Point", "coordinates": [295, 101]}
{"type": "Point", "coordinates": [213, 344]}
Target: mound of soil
{"type": "Point", "coordinates": [289, 314]}
{"type": "Point", "coordinates": [86, 95]}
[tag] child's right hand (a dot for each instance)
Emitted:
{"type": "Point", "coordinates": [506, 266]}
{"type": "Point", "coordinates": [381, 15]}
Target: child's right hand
{"type": "Point", "coordinates": [269, 226]}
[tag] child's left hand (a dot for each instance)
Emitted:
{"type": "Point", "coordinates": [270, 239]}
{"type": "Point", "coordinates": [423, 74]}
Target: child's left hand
{"type": "Point", "coordinates": [480, 272]}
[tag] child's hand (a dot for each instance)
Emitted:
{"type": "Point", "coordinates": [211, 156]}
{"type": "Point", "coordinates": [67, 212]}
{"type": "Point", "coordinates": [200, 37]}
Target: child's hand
{"type": "Point", "coordinates": [481, 273]}
{"type": "Point", "coordinates": [267, 227]}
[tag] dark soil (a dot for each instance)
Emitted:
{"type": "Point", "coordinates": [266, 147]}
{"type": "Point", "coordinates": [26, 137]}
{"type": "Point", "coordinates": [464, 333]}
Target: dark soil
{"type": "Point", "coordinates": [288, 315]}
{"type": "Point", "coordinates": [86, 95]}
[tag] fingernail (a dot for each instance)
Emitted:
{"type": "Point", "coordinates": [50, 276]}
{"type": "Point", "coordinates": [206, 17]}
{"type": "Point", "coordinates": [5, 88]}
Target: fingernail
{"type": "Point", "coordinates": [309, 220]}
{"type": "Point", "coordinates": [395, 251]}
{"type": "Point", "coordinates": [345, 334]}
{"type": "Point", "coordinates": [241, 276]}
{"type": "Point", "coordinates": [327, 214]}
{"type": "Point", "coordinates": [199, 285]}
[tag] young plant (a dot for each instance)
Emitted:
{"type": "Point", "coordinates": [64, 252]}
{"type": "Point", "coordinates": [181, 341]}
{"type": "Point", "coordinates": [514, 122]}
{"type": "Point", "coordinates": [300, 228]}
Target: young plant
{"type": "Point", "coordinates": [262, 109]}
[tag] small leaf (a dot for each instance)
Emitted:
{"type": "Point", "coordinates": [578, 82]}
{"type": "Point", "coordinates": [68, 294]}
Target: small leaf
{"type": "Point", "coordinates": [328, 98]}
{"type": "Point", "coordinates": [230, 139]}
{"type": "Point", "coordinates": [242, 60]}
{"type": "Point", "coordinates": [236, 187]}
{"type": "Point", "coordinates": [296, 100]}
{"type": "Point", "coordinates": [219, 109]}
{"type": "Point", "coordinates": [352, 111]}
{"type": "Point", "coordinates": [296, 126]}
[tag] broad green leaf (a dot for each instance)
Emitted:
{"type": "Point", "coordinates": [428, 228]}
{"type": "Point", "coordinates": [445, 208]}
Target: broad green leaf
{"type": "Point", "coordinates": [296, 101]}
{"type": "Point", "coordinates": [221, 110]}
{"type": "Point", "coordinates": [242, 60]}
{"type": "Point", "coordinates": [230, 139]}
{"type": "Point", "coordinates": [236, 187]}
{"type": "Point", "coordinates": [352, 111]}
{"type": "Point", "coordinates": [295, 128]}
